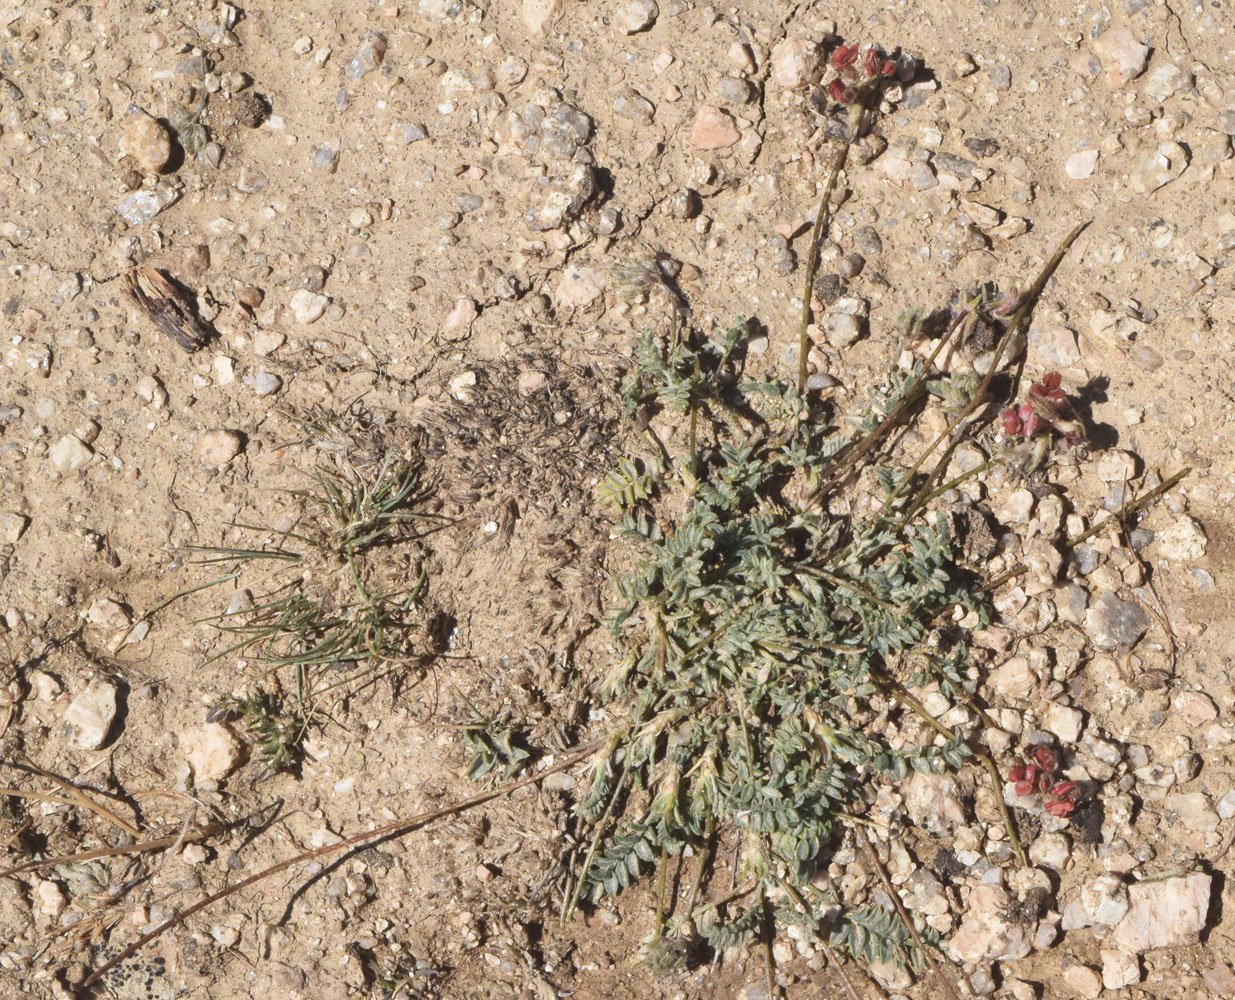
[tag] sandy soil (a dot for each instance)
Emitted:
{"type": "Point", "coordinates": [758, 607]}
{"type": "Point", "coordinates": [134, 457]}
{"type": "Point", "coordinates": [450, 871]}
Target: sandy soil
{"type": "Point", "coordinates": [461, 192]}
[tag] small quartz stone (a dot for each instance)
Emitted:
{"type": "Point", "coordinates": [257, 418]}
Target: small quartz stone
{"type": "Point", "coordinates": [637, 16]}
{"type": "Point", "coordinates": [142, 206]}
{"type": "Point", "coordinates": [1116, 466]}
{"type": "Point", "coordinates": [1083, 981]}
{"type": "Point", "coordinates": [218, 447]}
{"type": "Point", "coordinates": [1195, 811]}
{"type": "Point", "coordinates": [1165, 80]}
{"type": "Point", "coordinates": [461, 386]}
{"type": "Point", "coordinates": [212, 750]}
{"type": "Point", "coordinates": [1182, 541]}
{"type": "Point", "coordinates": [1195, 708]}
{"type": "Point", "coordinates": [539, 14]}
{"type": "Point", "coordinates": [1055, 345]}
{"type": "Point", "coordinates": [1167, 913]}
{"type": "Point", "coordinates": [796, 63]}
{"type": "Point", "coordinates": [1080, 165]}
{"type": "Point", "coordinates": [90, 715]}
{"type": "Point", "coordinates": [308, 307]}
{"type": "Point", "coordinates": [1119, 969]}
{"type": "Point", "coordinates": [1064, 722]}
{"type": "Point", "coordinates": [1015, 678]}
{"type": "Point", "coordinates": [147, 142]}
{"type": "Point", "coordinates": [267, 342]}
{"type": "Point", "coordinates": [713, 129]}
{"type": "Point", "coordinates": [579, 286]}
{"type": "Point", "coordinates": [1104, 900]}
{"type": "Point", "coordinates": [108, 613]}
{"type": "Point", "coordinates": [70, 454]}
{"type": "Point", "coordinates": [1051, 850]}
{"type": "Point", "coordinates": [1121, 55]}
{"type": "Point", "coordinates": [1157, 167]}
{"type": "Point", "coordinates": [842, 329]}
{"type": "Point", "coordinates": [459, 320]}
{"type": "Point", "coordinates": [12, 527]}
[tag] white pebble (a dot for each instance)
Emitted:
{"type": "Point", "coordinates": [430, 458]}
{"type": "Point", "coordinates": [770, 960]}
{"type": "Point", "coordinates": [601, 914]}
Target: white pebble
{"type": "Point", "coordinates": [308, 306]}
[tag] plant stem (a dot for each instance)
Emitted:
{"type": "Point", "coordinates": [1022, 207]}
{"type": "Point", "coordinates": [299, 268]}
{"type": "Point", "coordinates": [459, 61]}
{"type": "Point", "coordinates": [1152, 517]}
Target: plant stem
{"type": "Point", "coordinates": [661, 879]}
{"type": "Point", "coordinates": [820, 937]}
{"type": "Point", "coordinates": [898, 691]}
{"type": "Point", "coordinates": [602, 826]}
{"type": "Point", "coordinates": [398, 828]}
{"type": "Point", "coordinates": [812, 260]}
{"type": "Point", "coordinates": [882, 872]}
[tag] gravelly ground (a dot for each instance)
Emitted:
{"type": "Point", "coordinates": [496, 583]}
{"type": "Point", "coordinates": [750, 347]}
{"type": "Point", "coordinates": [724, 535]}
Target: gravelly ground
{"type": "Point", "coordinates": [444, 209]}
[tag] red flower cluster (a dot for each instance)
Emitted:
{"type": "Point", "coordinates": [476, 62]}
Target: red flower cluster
{"type": "Point", "coordinates": [852, 78]}
{"type": "Point", "coordinates": [1046, 407]}
{"type": "Point", "coordinates": [1020, 422]}
{"type": "Point", "coordinates": [1039, 776]}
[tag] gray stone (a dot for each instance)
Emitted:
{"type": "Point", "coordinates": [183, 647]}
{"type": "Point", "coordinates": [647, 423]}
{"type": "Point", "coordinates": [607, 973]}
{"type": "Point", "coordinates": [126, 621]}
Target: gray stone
{"type": "Point", "coordinates": [867, 239]}
{"type": "Point", "coordinates": [413, 133]}
{"type": "Point", "coordinates": [1001, 77]}
{"type": "Point", "coordinates": [142, 206]}
{"type": "Point", "coordinates": [326, 156]}
{"type": "Point", "coordinates": [1111, 623]}
{"type": "Point", "coordinates": [311, 277]}
{"type": "Point", "coordinates": [563, 130]}
{"type": "Point", "coordinates": [953, 164]}
{"type": "Point", "coordinates": [982, 982]}
{"type": "Point", "coordinates": [735, 90]}
{"type": "Point", "coordinates": [368, 58]}
{"type": "Point", "coordinates": [922, 176]}
{"type": "Point", "coordinates": [633, 106]}
{"type": "Point", "coordinates": [557, 202]}
{"type": "Point", "coordinates": [267, 384]}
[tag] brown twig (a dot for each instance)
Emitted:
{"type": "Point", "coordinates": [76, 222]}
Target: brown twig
{"type": "Point", "coordinates": [396, 829]}
{"type": "Point", "coordinates": [828, 951]}
{"type": "Point", "coordinates": [11, 839]}
{"type": "Point", "coordinates": [1117, 517]}
{"type": "Point", "coordinates": [78, 796]}
{"type": "Point", "coordinates": [812, 261]}
{"type": "Point", "coordinates": [898, 691]}
{"type": "Point", "coordinates": [201, 833]}
{"type": "Point", "coordinates": [882, 872]}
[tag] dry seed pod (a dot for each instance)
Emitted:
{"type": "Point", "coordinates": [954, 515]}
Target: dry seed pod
{"type": "Point", "coordinates": [169, 307]}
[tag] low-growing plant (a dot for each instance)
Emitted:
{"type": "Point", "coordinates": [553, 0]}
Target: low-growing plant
{"type": "Point", "coordinates": [792, 581]}
{"type": "Point", "coordinates": [328, 618]}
